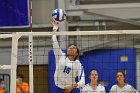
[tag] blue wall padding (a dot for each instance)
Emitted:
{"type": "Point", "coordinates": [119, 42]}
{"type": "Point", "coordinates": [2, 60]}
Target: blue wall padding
{"type": "Point", "coordinates": [51, 72]}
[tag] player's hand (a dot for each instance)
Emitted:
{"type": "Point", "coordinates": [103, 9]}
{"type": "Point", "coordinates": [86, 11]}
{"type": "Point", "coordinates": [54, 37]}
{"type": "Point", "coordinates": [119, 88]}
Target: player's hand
{"type": "Point", "coordinates": [55, 26]}
{"type": "Point", "coordinates": [68, 89]}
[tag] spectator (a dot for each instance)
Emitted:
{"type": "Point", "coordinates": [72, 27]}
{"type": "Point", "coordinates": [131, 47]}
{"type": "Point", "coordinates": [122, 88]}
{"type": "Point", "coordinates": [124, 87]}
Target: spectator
{"type": "Point", "coordinates": [21, 87]}
{"type": "Point", "coordinates": [2, 86]}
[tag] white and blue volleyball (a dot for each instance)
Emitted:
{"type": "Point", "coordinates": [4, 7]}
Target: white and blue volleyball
{"type": "Point", "coordinates": [59, 15]}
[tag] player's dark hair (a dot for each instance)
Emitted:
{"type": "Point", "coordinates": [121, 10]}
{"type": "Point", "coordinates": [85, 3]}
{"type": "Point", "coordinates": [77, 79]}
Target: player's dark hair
{"type": "Point", "coordinates": [120, 71]}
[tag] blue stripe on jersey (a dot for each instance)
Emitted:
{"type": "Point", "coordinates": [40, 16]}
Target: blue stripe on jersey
{"type": "Point", "coordinates": [81, 72]}
{"type": "Point", "coordinates": [134, 90]}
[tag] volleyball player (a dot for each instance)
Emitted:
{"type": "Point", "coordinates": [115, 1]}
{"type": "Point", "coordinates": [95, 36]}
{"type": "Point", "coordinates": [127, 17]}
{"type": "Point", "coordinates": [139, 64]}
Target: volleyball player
{"type": "Point", "coordinates": [93, 86]}
{"type": "Point", "coordinates": [122, 86]}
{"type": "Point", "coordinates": [68, 67]}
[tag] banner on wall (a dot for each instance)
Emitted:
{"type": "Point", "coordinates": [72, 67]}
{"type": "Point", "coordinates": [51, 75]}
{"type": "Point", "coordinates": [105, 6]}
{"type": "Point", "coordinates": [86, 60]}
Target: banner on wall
{"type": "Point", "coordinates": [14, 13]}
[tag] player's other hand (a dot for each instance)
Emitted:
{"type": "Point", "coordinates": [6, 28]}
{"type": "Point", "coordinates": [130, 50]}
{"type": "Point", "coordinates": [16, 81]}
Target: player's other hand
{"type": "Point", "coordinates": [68, 89]}
{"type": "Point", "coordinates": [55, 25]}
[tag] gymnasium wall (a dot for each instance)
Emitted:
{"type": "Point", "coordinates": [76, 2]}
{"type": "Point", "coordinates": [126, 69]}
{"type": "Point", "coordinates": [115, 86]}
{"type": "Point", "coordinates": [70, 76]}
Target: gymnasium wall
{"type": "Point", "coordinates": [42, 10]}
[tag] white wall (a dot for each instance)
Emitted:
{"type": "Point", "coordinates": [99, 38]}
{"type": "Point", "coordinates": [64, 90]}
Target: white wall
{"type": "Point", "coordinates": [42, 11]}
{"type": "Point", "coordinates": [5, 56]}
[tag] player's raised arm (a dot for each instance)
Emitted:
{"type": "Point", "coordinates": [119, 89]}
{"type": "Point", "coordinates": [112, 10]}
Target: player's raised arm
{"type": "Point", "coordinates": [56, 47]}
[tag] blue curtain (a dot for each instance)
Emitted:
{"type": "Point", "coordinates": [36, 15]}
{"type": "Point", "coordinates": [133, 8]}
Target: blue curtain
{"type": "Point", "coordinates": [14, 13]}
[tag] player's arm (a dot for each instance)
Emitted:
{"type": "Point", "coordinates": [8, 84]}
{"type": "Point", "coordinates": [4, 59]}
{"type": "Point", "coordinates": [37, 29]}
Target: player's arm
{"type": "Point", "coordinates": [56, 47]}
{"type": "Point", "coordinates": [81, 76]}
{"type": "Point", "coordinates": [103, 89]}
{"type": "Point", "coordinates": [112, 90]}
{"type": "Point", "coordinates": [133, 90]}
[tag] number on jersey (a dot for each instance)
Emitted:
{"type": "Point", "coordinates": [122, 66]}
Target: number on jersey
{"type": "Point", "coordinates": [67, 70]}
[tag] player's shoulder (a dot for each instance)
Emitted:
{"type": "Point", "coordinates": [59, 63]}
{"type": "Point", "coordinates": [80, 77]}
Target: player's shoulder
{"type": "Point", "coordinates": [86, 86]}
{"type": "Point", "coordinates": [77, 60]}
{"type": "Point", "coordinates": [128, 85]}
{"type": "Point", "coordinates": [114, 86]}
{"type": "Point", "coordinates": [63, 53]}
{"type": "Point", "coordinates": [100, 85]}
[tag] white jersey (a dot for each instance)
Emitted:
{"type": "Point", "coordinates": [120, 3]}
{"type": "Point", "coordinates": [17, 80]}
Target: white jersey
{"type": "Point", "coordinates": [89, 89]}
{"type": "Point", "coordinates": [126, 89]}
{"type": "Point", "coordinates": [66, 71]}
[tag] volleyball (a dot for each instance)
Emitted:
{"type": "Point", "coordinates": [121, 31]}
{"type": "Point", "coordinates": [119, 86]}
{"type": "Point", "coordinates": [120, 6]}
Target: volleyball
{"type": "Point", "coordinates": [59, 15]}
